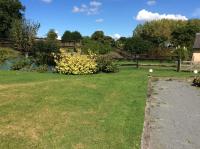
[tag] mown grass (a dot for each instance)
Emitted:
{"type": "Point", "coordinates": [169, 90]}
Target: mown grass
{"type": "Point", "coordinates": [103, 111]}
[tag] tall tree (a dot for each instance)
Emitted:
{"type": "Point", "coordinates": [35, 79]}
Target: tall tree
{"type": "Point", "coordinates": [10, 10]}
{"type": "Point", "coordinates": [76, 36]}
{"type": "Point", "coordinates": [52, 35]}
{"type": "Point", "coordinates": [98, 35]}
{"type": "Point", "coordinates": [158, 32]}
{"type": "Point", "coordinates": [185, 35]}
{"type": "Point", "coordinates": [137, 45]}
{"type": "Point", "coordinates": [66, 36]}
{"type": "Point", "coordinates": [23, 33]}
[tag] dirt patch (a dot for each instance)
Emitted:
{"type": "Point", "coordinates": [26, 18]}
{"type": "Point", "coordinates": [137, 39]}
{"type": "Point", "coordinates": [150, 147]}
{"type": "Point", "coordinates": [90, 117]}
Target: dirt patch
{"type": "Point", "coordinates": [33, 127]}
{"type": "Point", "coordinates": [79, 146]}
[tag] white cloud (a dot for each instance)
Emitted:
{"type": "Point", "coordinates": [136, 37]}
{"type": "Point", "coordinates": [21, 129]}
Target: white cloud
{"type": "Point", "coordinates": [99, 20]}
{"type": "Point", "coordinates": [196, 13]}
{"type": "Point", "coordinates": [116, 36]}
{"type": "Point", "coordinates": [91, 9]}
{"type": "Point", "coordinates": [151, 2]}
{"type": "Point", "coordinates": [95, 3]}
{"type": "Point", "coordinates": [47, 1]}
{"type": "Point", "coordinates": [145, 15]}
{"type": "Point", "coordinates": [59, 37]}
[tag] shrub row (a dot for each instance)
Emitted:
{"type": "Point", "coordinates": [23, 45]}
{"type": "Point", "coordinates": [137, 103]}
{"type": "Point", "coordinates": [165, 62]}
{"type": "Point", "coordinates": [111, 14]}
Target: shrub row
{"type": "Point", "coordinates": [66, 62]}
{"type": "Point", "coordinates": [77, 63]}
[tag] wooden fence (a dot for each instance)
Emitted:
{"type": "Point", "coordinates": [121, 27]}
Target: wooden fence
{"type": "Point", "coordinates": [162, 61]}
{"type": "Point", "coordinates": [6, 43]}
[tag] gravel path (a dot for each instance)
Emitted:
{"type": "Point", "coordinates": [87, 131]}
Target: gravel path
{"type": "Point", "coordinates": [174, 115]}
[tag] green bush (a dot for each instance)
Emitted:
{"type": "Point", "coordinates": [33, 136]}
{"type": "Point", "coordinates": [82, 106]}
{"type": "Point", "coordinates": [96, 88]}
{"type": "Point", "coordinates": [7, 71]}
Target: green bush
{"type": "Point", "coordinates": [95, 46]}
{"type": "Point", "coordinates": [106, 64]}
{"type": "Point", "coordinates": [196, 81]}
{"type": "Point", "coordinates": [42, 52]}
{"type": "Point", "coordinates": [23, 63]}
{"type": "Point", "coordinates": [6, 53]}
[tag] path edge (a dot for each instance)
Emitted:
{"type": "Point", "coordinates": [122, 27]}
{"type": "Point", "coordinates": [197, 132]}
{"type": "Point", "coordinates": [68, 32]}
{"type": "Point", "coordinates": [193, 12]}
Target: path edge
{"type": "Point", "coordinates": [145, 140]}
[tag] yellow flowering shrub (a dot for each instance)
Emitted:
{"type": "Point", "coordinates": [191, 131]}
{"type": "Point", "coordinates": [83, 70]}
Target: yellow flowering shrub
{"type": "Point", "coordinates": [75, 63]}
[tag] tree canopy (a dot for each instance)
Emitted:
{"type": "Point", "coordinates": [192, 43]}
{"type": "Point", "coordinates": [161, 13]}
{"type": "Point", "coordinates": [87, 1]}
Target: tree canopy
{"type": "Point", "coordinates": [52, 35]}
{"type": "Point", "coordinates": [23, 33]}
{"type": "Point", "coordinates": [137, 45]}
{"type": "Point", "coordinates": [164, 33]}
{"type": "Point", "coordinates": [71, 36]}
{"type": "Point", "coordinates": [10, 10]}
{"type": "Point", "coordinates": [98, 35]}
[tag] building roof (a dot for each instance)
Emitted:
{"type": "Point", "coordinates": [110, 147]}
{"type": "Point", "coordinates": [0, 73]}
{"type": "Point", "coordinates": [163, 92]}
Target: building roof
{"type": "Point", "coordinates": [197, 41]}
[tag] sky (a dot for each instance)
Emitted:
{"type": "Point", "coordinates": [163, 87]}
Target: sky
{"type": "Point", "coordinates": [116, 18]}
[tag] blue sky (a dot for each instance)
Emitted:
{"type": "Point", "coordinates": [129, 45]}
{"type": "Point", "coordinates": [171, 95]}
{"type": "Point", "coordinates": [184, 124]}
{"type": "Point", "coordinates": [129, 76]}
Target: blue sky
{"type": "Point", "coordinates": [115, 17]}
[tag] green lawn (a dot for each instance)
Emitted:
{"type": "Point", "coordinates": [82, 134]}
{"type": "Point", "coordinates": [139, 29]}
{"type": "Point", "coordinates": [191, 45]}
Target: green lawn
{"type": "Point", "coordinates": [103, 111]}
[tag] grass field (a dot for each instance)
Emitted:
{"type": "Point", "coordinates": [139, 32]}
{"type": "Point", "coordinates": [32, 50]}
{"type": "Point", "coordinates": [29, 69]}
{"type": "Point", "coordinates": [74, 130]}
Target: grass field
{"type": "Point", "coordinates": [103, 111]}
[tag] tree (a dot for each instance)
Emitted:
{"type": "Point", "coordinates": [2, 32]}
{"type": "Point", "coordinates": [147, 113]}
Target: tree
{"type": "Point", "coordinates": [158, 32]}
{"type": "Point", "coordinates": [185, 35]}
{"type": "Point", "coordinates": [52, 35]}
{"type": "Point", "coordinates": [95, 46]}
{"type": "Point", "coordinates": [66, 36]}
{"type": "Point", "coordinates": [121, 42]}
{"type": "Point", "coordinates": [10, 10]}
{"type": "Point", "coordinates": [98, 35]}
{"type": "Point", "coordinates": [137, 45]}
{"type": "Point", "coordinates": [109, 40]}
{"type": "Point", "coordinates": [23, 33]}
{"type": "Point", "coordinates": [76, 36]}
{"type": "Point", "coordinates": [71, 36]}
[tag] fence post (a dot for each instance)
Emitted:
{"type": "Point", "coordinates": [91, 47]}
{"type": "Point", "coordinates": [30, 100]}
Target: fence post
{"type": "Point", "coordinates": [179, 65]}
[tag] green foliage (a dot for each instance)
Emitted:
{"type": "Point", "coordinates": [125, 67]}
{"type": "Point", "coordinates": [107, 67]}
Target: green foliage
{"type": "Point", "coordinates": [107, 64]}
{"type": "Point", "coordinates": [168, 33]}
{"type": "Point", "coordinates": [71, 36]}
{"type": "Point", "coordinates": [42, 51]}
{"type": "Point", "coordinates": [98, 35]}
{"type": "Point", "coordinates": [76, 36]}
{"type": "Point", "coordinates": [52, 35]}
{"type": "Point", "coordinates": [196, 81]}
{"type": "Point", "coordinates": [23, 33]}
{"type": "Point", "coordinates": [182, 52]}
{"type": "Point", "coordinates": [66, 36]}
{"type": "Point", "coordinates": [95, 46]}
{"type": "Point", "coordinates": [157, 32]}
{"type": "Point", "coordinates": [120, 43]}
{"type": "Point", "coordinates": [21, 64]}
{"type": "Point", "coordinates": [137, 45]}
{"type": "Point", "coordinates": [185, 35]}
{"type": "Point", "coordinates": [10, 10]}
{"type": "Point", "coordinates": [159, 52]}
{"type": "Point", "coordinates": [6, 53]}
{"type": "Point", "coordinates": [75, 63]}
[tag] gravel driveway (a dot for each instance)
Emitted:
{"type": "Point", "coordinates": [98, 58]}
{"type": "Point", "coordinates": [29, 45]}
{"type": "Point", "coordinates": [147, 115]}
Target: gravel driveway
{"type": "Point", "coordinates": [174, 117]}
